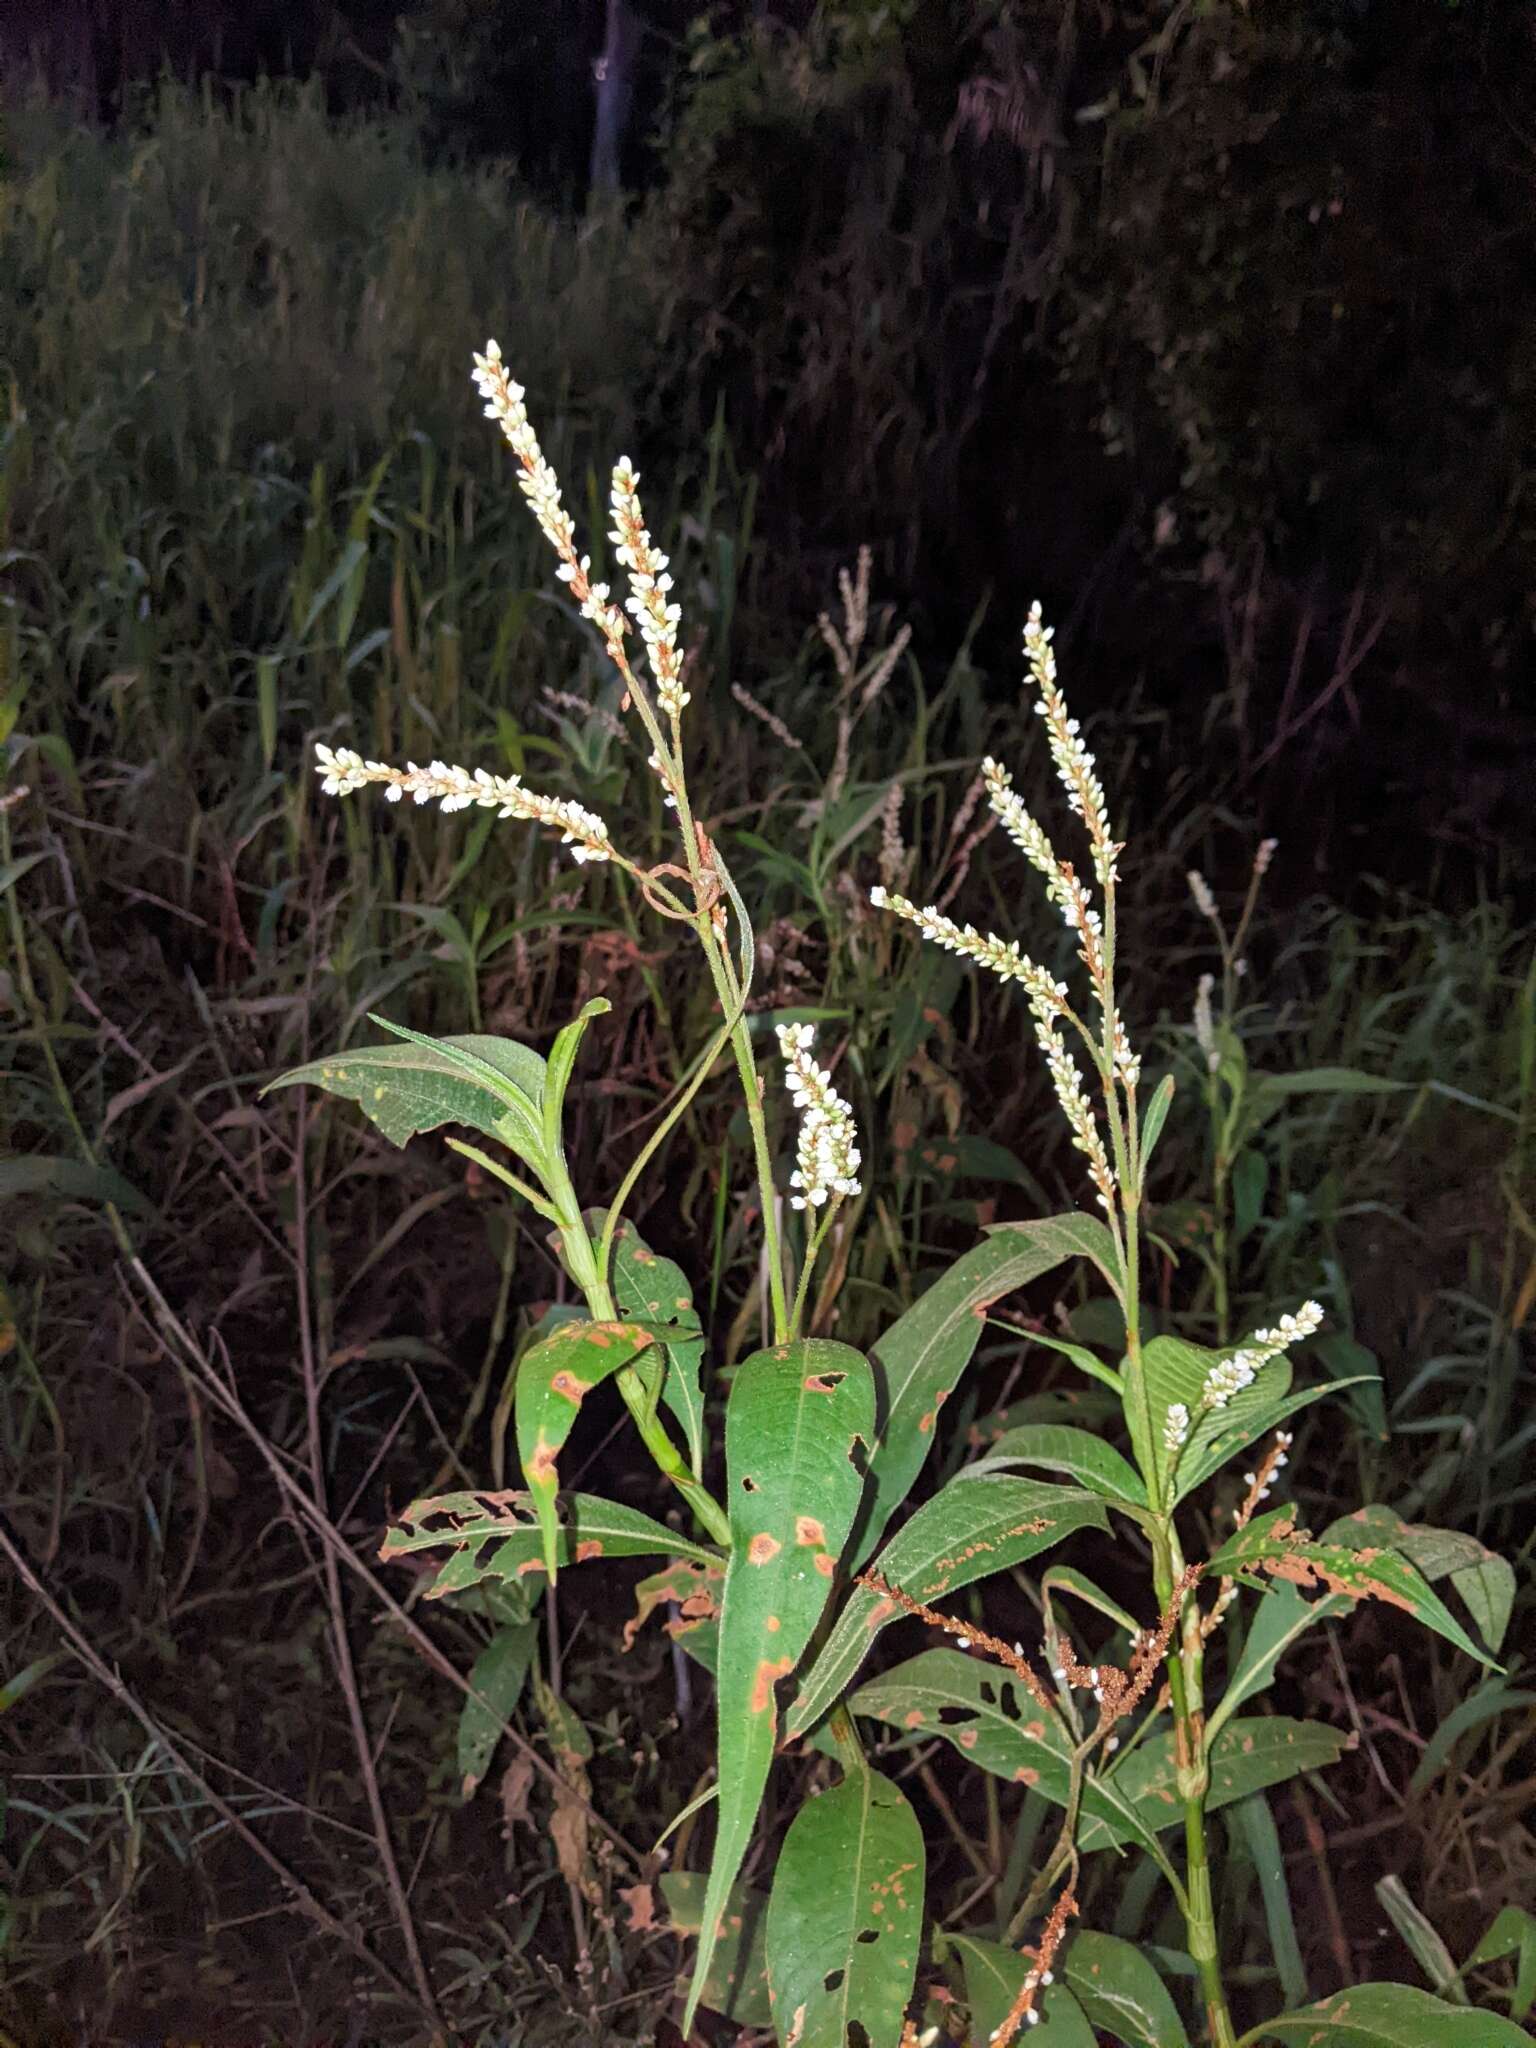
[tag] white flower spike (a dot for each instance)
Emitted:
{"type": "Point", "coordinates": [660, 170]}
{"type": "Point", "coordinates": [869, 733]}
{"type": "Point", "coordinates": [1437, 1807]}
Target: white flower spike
{"type": "Point", "coordinates": [342, 771]}
{"type": "Point", "coordinates": [827, 1155]}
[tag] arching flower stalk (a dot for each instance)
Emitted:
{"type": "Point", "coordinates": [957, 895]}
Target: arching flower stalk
{"type": "Point", "coordinates": [342, 772]}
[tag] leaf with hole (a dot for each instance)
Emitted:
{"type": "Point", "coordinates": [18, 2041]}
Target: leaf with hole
{"type": "Point", "coordinates": [553, 1379]}
{"type": "Point", "coordinates": [971, 1528]}
{"type": "Point", "coordinates": [797, 1428]}
{"type": "Point", "coordinates": [736, 1978]}
{"type": "Point", "coordinates": [655, 1289]}
{"type": "Point", "coordinates": [920, 1359]}
{"type": "Point", "coordinates": [993, 1978]}
{"type": "Point", "coordinates": [1386, 2016]}
{"type": "Point", "coordinates": [497, 1676]}
{"type": "Point", "coordinates": [1120, 1991]}
{"type": "Point", "coordinates": [497, 1536]}
{"type": "Point", "coordinates": [845, 1918]}
{"type": "Point", "coordinates": [1273, 1545]}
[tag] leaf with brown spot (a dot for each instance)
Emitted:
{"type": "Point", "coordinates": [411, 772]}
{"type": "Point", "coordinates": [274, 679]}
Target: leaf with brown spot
{"type": "Point", "coordinates": [845, 1917]}
{"type": "Point", "coordinates": [1272, 1545]}
{"type": "Point", "coordinates": [736, 1980]}
{"type": "Point", "coordinates": [799, 1447]}
{"type": "Point", "coordinates": [972, 1527]}
{"type": "Point", "coordinates": [1387, 2016]}
{"type": "Point", "coordinates": [654, 1289]}
{"type": "Point", "coordinates": [497, 1536]}
{"type": "Point", "coordinates": [555, 1376]}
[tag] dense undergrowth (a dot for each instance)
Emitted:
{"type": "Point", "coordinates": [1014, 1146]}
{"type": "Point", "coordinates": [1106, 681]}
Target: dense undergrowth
{"type": "Point", "coordinates": [243, 505]}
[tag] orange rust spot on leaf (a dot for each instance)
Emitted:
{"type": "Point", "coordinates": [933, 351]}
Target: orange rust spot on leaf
{"type": "Point", "coordinates": [1026, 1774]}
{"type": "Point", "coordinates": [879, 1614]}
{"type": "Point", "coordinates": [916, 1718]}
{"type": "Point", "coordinates": [773, 1624]}
{"type": "Point", "coordinates": [769, 1672]}
{"type": "Point", "coordinates": [763, 1547]}
{"type": "Point", "coordinates": [824, 1564]}
{"type": "Point", "coordinates": [541, 1466]}
{"type": "Point", "coordinates": [819, 1383]}
{"type": "Point", "coordinates": [567, 1384]}
{"type": "Point", "coordinates": [967, 1738]}
{"type": "Point", "coordinates": [1034, 1729]}
{"type": "Point", "coordinates": [592, 1547]}
{"type": "Point", "coordinates": [808, 1531]}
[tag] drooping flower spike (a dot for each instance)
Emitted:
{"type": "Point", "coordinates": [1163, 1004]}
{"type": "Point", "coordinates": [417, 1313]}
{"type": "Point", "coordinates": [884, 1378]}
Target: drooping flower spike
{"type": "Point", "coordinates": [342, 771]}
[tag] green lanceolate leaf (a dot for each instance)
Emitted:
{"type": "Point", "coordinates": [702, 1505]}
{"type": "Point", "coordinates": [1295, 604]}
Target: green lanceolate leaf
{"type": "Point", "coordinates": [1253, 1829]}
{"type": "Point", "coordinates": [1120, 1991]}
{"type": "Point", "coordinates": [971, 1528]}
{"type": "Point", "coordinates": [1279, 1618]}
{"type": "Point", "coordinates": [1221, 1436]}
{"type": "Point", "coordinates": [989, 1717]}
{"type": "Point", "coordinates": [797, 1426]}
{"type": "Point", "coordinates": [1087, 1459]}
{"type": "Point", "coordinates": [920, 1359]}
{"type": "Point", "coordinates": [1272, 1545]}
{"type": "Point", "coordinates": [553, 1379]}
{"type": "Point", "coordinates": [1511, 1933]}
{"type": "Point", "coordinates": [845, 1918]}
{"type": "Point", "coordinates": [1386, 2016]}
{"type": "Point", "coordinates": [1156, 1116]}
{"type": "Point", "coordinates": [994, 1977]}
{"type": "Point", "coordinates": [656, 1289]}
{"type": "Point", "coordinates": [493, 1085]}
{"type": "Point", "coordinates": [1248, 1756]}
{"type": "Point", "coordinates": [1484, 1580]}
{"type": "Point", "coordinates": [562, 1059]}
{"type": "Point", "coordinates": [497, 1536]}
{"type": "Point", "coordinates": [499, 1674]}
{"type": "Point", "coordinates": [736, 1979]}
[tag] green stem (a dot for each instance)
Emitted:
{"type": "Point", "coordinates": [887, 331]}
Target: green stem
{"type": "Point", "coordinates": [581, 1260]}
{"type": "Point", "coordinates": [1192, 1770]}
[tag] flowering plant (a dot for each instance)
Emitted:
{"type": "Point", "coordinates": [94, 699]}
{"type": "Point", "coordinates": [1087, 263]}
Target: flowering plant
{"type": "Point", "coordinates": [783, 1581]}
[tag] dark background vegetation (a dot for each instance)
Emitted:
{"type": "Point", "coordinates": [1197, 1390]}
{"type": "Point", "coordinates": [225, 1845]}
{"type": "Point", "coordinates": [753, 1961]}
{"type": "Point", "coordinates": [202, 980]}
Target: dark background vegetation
{"type": "Point", "coordinates": [1212, 326]}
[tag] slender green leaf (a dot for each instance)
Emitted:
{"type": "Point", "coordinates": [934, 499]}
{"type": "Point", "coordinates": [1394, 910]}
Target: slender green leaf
{"type": "Point", "coordinates": [971, 1528]}
{"type": "Point", "coordinates": [736, 1977]}
{"type": "Point", "coordinates": [1253, 1825]}
{"type": "Point", "coordinates": [499, 1674]}
{"type": "Point", "coordinates": [920, 1359]}
{"type": "Point", "coordinates": [553, 1379]}
{"type": "Point", "coordinates": [1386, 2016]}
{"type": "Point", "coordinates": [993, 1978]}
{"type": "Point", "coordinates": [71, 1180]}
{"type": "Point", "coordinates": [493, 1085]}
{"type": "Point", "coordinates": [1512, 1933]}
{"type": "Point", "coordinates": [562, 1059]}
{"type": "Point", "coordinates": [845, 1917]}
{"type": "Point", "coordinates": [989, 1718]}
{"type": "Point", "coordinates": [1492, 1698]}
{"type": "Point", "coordinates": [1421, 1938]}
{"type": "Point", "coordinates": [799, 1420]}
{"type": "Point", "coordinates": [1120, 1991]}
{"type": "Point", "coordinates": [1272, 1545]}
{"type": "Point", "coordinates": [497, 1536]}
{"type": "Point", "coordinates": [1155, 1117]}
{"type": "Point", "coordinates": [1065, 1578]}
{"type": "Point", "coordinates": [1248, 1756]}
{"type": "Point", "coordinates": [1087, 1459]}
{"type": "Point", "coordinates": [1279, 1618]}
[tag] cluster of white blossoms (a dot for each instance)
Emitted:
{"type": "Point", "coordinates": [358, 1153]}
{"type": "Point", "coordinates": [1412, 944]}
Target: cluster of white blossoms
{"type": "Point", "coordinates": [827, 1155]}
{"type": "Point", "coordinates": [342, 771]}
{"type": "Point", "coordinates": [1233, 1374]}
{"type": "Point", "coordinates": [1175, 1426]}
{"type": "Point", "coordinates": [649, 584]}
